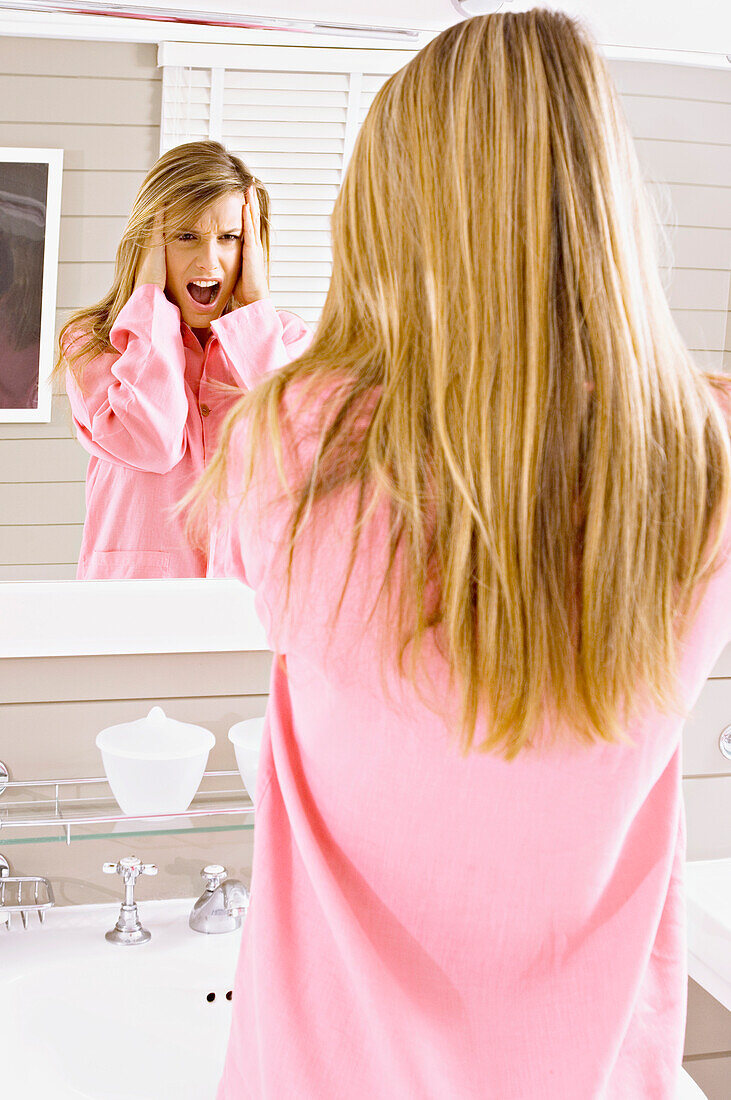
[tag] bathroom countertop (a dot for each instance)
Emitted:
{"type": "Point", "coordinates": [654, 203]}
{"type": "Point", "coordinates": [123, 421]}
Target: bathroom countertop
{"type": "Point", "coordinates": [708, 904]}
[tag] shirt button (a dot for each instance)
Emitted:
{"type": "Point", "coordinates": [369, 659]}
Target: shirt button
{"type": "Point", "coordinates": [205, 410]}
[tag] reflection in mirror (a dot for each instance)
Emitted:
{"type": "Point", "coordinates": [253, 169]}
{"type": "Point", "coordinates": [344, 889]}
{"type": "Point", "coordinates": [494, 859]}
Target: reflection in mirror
{"type": "Point", "coordinates": [102, 103]}
{"type": "Point", "coordinates": [152, 369]}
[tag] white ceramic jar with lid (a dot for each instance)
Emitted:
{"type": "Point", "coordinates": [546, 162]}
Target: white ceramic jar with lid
{"type": "Point", "coordinates": [155, 764]}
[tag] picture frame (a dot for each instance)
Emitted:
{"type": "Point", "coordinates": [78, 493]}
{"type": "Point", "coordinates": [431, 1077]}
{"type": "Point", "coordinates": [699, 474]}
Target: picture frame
{"type": "Point", "coordinates": [30, 220]}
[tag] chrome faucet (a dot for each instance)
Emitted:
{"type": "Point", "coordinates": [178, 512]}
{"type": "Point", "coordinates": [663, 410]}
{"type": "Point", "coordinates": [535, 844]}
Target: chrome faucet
{"type": "Point", "coordinates": [222, 905]}
{"type": "Point", "coordinates": [128, 929]}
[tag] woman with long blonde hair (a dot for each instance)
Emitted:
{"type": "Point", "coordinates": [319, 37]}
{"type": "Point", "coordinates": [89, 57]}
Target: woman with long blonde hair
{"type": "Point", "coordinates": [152, 369]}
{"type": "Point", "coordinates": [467, 875]}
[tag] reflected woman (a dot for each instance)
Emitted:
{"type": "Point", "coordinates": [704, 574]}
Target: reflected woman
{"type": "Point", "coordinates": [467, 876]}
{"type": "Point", "coordinates": [153, 368]}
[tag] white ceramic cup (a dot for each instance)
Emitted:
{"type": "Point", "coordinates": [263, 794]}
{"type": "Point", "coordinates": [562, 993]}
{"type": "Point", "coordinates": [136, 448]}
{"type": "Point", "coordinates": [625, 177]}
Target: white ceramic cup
{"type": "Point", "coordinates": [246, 738]}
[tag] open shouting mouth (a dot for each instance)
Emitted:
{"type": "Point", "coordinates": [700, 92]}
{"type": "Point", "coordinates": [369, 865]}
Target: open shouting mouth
{"type": "Point", "coordinates": [204, 292]}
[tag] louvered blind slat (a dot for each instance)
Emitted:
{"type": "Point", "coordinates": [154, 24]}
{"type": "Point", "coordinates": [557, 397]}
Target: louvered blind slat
{"type": "Point", "coordinates": [300, 192]}
{"type": "Point", "coordinates": [308, 281]}
{"type": "Point", "coordinates": [322, 134]}
{"type": "Point", "coordinates": [300, 273]}
{"type": "Point", "coordinates": [320, 83]}
{"type": "Point", "coordinates": [303, 207]}
{"type": "Point", "coordinates": [277, 99]}
{"type": "Point", "coordinates": [372, 82]}
{"type": "Point", "coordinates": [253, 110]}
{"type": "Point", "coordinates": [283, 161]}
{"type": "Point", "coordinates": [316, 176]}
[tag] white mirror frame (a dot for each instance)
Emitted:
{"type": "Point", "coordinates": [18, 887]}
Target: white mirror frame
{"type": "Point", "coordinates": [84, 618]}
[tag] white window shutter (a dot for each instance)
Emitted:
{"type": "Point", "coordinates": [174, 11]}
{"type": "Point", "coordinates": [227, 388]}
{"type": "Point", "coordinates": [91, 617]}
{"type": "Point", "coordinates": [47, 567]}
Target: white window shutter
{"type": "Point", "coordinates": [354, 119]}
{"type": "Point", "coordinates": [215, 118]}
{"type": "Point", "coordinates": [295, 129]}
{"type": "Point", "coordinates": [289, 129]}
{"type": "Point", "coordinates": [186, 103]}
{"type": "Point", "coordinates": [372, 83]}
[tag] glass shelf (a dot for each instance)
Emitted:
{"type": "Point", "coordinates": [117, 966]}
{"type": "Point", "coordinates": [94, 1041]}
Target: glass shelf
{"type": "Point", "coordinates": [57, 811]}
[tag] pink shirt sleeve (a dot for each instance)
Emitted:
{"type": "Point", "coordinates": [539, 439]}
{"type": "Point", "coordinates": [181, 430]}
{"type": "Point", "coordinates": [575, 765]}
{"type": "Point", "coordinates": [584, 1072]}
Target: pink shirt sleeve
{"type": "Point", "coordinates": [235, 546]}
{"type": "Point", "coordinates": [256, 339]}
{"type": "Point", "coordinates": [224, 554]}
{"type": "Point", "coordinates": [251, 341]}
{"type": "Point", "coordinates": [133, 407]}
{"type": "Point", "coordinates": [229, 555]}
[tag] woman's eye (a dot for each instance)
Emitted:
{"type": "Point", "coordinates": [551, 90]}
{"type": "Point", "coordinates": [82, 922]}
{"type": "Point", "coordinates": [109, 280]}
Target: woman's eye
{"type": "Point", "coordinates": [185, 237]}
{"type": "Point", "coordinates": [230, 237]}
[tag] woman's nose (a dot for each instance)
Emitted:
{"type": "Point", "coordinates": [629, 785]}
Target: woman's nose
{"type": "Point", "coordinates": [208, 256]}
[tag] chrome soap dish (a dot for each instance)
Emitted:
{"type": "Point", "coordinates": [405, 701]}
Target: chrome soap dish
{"type": "Point", "coordinates": [23, 894]}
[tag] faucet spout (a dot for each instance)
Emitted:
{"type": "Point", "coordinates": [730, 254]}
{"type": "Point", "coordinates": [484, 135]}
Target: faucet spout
{"type": "Point", "coordinates": [234, 897]}
{"type": "Point", "coordinates": [222, 905]}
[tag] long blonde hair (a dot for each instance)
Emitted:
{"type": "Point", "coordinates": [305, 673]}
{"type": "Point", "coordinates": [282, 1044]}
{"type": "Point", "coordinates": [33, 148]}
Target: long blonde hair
{"type": "Point", "coordinates": [182, 184]}
{"type": "Point", "coordinates": [542, 435]}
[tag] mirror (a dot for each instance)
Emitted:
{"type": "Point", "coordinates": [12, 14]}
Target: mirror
{"type": "Point", "coordinates": [106, 103]}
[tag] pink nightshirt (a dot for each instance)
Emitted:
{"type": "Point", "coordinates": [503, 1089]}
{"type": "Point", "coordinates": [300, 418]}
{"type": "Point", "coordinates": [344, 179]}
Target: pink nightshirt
{"type": "Point", "coordinates": [428, 927]}
{"type": "Point", "coordinates": [149, 416]}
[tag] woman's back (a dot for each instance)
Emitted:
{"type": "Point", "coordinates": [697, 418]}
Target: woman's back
{"type": "Point", "coordinates": [428, 925]}
{"type": "Point", "coordinates": [504, 921]}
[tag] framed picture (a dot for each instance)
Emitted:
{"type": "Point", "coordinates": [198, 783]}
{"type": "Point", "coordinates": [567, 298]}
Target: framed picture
{"type": "Point", "coordinates": [30, 216]}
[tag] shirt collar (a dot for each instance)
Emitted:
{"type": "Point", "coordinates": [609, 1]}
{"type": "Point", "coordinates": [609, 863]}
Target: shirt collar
{"type": "Point", "coordinates": [190, 339]}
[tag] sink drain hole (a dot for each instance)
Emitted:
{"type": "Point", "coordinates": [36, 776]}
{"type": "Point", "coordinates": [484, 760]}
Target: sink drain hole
{"type": "Point", "coordinates": [211, 997]}
{"type": "Point", "coordinates": [229, 995]}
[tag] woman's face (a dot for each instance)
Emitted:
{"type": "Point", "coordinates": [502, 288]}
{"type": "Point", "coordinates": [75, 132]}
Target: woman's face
{"type": "Point", "coordinates": [206, 252]}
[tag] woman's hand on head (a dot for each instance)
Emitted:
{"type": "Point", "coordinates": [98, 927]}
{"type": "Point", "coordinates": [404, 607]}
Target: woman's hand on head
{"type": "Point", "coordinates": [152, 267]}
{"type": "Point", "coordinates": [252, 283]}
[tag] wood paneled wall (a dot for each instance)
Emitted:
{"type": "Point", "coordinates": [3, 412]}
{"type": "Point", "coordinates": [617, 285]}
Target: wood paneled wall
{"type": "Point", "coordinates": [100, 102]}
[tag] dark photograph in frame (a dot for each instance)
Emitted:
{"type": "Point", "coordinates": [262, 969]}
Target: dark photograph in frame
{"type": "Point", "coordinates": [30, 208]}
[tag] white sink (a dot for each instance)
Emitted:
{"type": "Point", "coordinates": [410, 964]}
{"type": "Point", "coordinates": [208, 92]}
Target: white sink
{"type": "Point", "coordinates": [708, 894]}
{"type": "Point", "coordinates": [83, 1018]}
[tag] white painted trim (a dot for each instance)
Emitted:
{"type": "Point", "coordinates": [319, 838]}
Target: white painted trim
{"type": "Point", "coordinates": [46, 345]}
{"type": "Point", "coordinates": [323, 57]}
{"type": "Point", "coordinates": [87, 618]}
{"type": "Point", "coordinates": [170, 85]}
{"type": "Point", "coordinates": [50, 281]}
{"type": "Point", "coordinates": [215, 108]}
{"type": "Point", "coordinates": [667, 57]}
{"type": "Point", "coordinates": [111, 29]}
{"type": "Point", "coordinates": [304, 59]}
{"type": "Point", "coordinates": [351, 121]}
